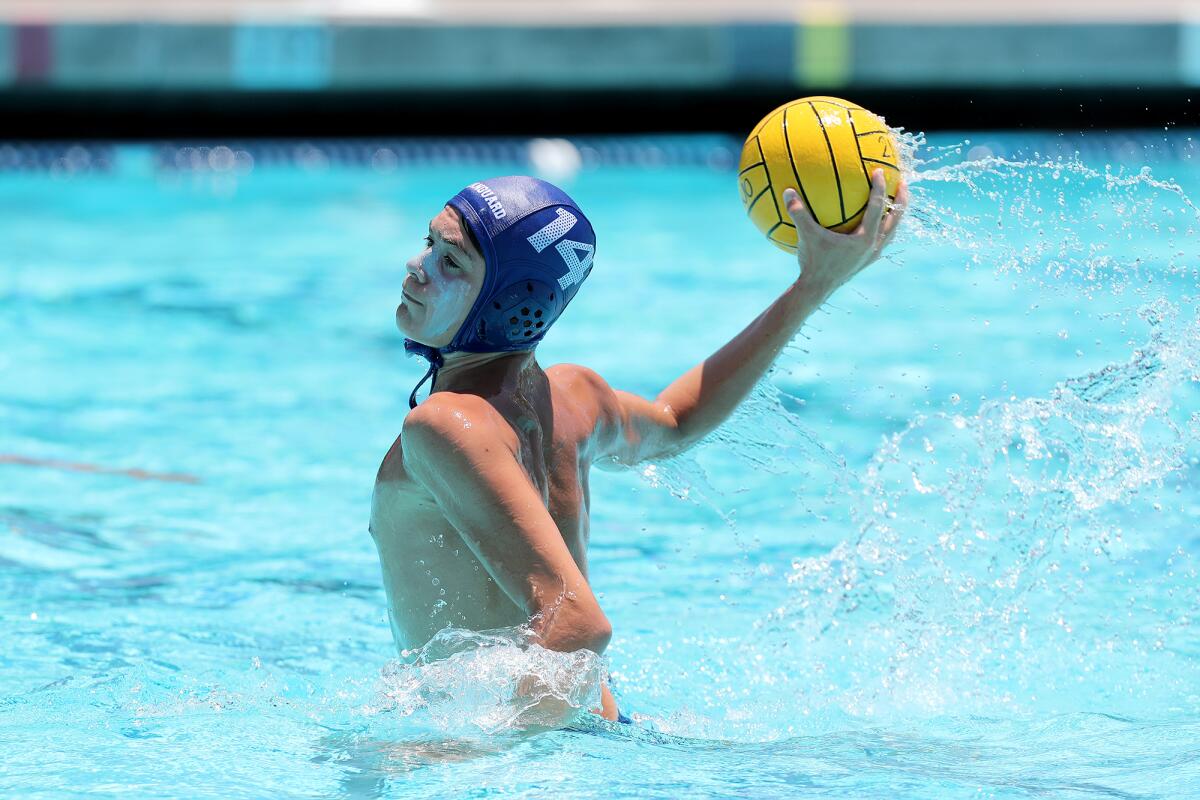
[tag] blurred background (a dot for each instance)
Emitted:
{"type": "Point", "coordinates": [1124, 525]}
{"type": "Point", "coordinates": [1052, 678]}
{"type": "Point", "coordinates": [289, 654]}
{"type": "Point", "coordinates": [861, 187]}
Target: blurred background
{"type": "Point", "coordinates": [81, 69]}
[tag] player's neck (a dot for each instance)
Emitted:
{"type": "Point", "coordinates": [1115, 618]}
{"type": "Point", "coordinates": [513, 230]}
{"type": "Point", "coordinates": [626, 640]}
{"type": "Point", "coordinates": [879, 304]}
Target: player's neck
{"type": "Point", "coordinates": [484, 373]}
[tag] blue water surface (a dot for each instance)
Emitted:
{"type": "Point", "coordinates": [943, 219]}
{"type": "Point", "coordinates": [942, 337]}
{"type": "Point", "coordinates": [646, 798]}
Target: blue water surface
{"type": "Point", "coordinates": [948, 549]}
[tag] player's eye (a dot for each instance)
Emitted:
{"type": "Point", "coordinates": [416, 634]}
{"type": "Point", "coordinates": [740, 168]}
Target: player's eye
{"type": "Point", "coordinates": [446, 258]}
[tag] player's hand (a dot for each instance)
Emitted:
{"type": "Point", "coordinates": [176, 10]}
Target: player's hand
{"type": "Point", "coordinates": [541, 709]}
{"type": "Point", "coordinates": [828, 259]}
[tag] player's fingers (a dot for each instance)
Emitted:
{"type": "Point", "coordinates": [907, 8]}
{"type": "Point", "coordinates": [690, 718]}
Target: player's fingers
{"type": "Point", "coordinates": [899, 206]}
{"type": "Point", "coordinates": [802, 218]}
{"type": "Point", "coordinates": [873, 216]}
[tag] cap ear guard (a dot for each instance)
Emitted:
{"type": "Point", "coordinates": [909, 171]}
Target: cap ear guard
{"type": "Point", "coordinates": [523, 311]}
{"type": "Point", "coordinates": [537, 247]}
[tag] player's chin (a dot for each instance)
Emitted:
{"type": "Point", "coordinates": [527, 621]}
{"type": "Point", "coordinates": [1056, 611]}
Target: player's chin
{"type": "Point", "coordinates": [404, 320]}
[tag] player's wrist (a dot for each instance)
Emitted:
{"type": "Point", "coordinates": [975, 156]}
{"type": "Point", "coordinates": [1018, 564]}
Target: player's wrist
{"type": "Point", "coordinates": [813, 286]}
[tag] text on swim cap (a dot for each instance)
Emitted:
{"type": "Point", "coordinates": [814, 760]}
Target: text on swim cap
{"type": "Point", "coordinates": [553, 230]}
{"type": "Point", "coordinates": [490, 198]}
{"type": "Point", "coordinates": [576, 268]}
{"type": "Point", "coordinates": [569, 250]}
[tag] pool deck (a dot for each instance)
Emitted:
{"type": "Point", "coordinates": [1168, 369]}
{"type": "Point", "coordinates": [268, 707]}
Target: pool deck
{"type": "Point", "coordinates": [587, 12]}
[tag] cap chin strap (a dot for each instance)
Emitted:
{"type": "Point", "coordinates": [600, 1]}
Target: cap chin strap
{"type": "Point", "coordinates": [433, 356]}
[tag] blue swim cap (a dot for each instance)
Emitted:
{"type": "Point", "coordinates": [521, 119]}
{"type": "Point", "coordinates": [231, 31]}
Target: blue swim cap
{"type": "Point", "coordinates": [537, 247]}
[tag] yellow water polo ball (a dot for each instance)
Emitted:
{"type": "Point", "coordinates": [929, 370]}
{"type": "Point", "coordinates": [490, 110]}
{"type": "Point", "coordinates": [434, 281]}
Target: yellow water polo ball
{"type": "Point", "coordinates": [825, 149]}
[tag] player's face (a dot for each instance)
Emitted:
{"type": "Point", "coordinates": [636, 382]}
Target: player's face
{"type": "Point", "coordinates": [442, 283]}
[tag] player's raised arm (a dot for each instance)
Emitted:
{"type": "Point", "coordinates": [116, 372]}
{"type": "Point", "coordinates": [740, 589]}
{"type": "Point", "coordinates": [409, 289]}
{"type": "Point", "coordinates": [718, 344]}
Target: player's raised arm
{"type": "Point", "coordinates": [704, 396]}
{"type": "Point", "coordinates": [455, 450]}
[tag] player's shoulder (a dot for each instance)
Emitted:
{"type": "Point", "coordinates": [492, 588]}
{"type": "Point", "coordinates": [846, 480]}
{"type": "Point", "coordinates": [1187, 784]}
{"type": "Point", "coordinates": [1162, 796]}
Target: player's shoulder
{"type": "Point", "coordinates": [596, 406]}
{"type": "Point", "coordinates": [452, 419]}
{"type": "Point", "coordinates": [577, 376]}
{"type": "Point", "coordinates": [583, 384]}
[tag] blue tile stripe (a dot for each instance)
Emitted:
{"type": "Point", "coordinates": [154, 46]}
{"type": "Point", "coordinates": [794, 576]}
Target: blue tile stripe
{"type": "Point", "coordinates": [319, 55]}
{"type": "Point", "coordinates": [384, 155]}
{"type": "Point", "coordinates": [717, 152]}
{"type": "Point", "coordinates": [59, 158]}
{"type": "Point", "coordinates": [378, 155]}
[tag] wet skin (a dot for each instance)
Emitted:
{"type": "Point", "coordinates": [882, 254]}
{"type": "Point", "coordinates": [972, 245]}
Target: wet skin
{"type": "Point", "coordinates": [480, 510]}
{"type": "Point", "coordinates": [539, 424]}
{"type": "Point", "coordinates": [543, 423]}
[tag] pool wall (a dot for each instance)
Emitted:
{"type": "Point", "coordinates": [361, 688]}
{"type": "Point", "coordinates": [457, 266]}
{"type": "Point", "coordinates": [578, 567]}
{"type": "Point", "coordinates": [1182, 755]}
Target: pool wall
{"type": "Point", "coordinates": [135, 79]}
{"type": "Point", "coordinates": [320, 56]}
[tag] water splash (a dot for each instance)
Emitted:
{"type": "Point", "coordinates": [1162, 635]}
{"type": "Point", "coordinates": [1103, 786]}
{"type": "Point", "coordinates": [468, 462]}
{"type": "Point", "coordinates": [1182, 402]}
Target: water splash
{"type": "Point", "coordinates": [1021, 555]}
{"type": "Point", "coordinates": [1055, 220]}
{"type": "Point", "coordinates": [974, 529]}
{"type": "Point", "coordinates": [486, 682]}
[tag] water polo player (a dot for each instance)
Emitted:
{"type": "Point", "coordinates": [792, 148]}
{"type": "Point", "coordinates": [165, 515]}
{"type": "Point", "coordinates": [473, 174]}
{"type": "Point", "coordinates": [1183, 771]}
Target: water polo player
{"type": "Point", "coordinates": [480, 510]}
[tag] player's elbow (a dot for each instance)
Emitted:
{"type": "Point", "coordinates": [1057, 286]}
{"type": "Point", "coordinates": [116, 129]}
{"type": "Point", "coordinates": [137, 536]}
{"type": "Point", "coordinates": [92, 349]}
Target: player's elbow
{"type": "Point", "coordinates": [592, 632]}
{"type": "Point", "coordinates": [599, 634]}
{"type": "Point", "coordinates": [573, 626]}
{"type": "Point", "coordinates": [670, 437]}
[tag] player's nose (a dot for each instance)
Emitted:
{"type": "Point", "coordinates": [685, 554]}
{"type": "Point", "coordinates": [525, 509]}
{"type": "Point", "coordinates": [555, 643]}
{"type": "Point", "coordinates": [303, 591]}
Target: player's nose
{"type": "Point", "coordinates": [415, 269]}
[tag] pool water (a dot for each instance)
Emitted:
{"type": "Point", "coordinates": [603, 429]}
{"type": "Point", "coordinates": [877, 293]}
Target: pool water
{"type": "Point", "coordinates": [949, 549]}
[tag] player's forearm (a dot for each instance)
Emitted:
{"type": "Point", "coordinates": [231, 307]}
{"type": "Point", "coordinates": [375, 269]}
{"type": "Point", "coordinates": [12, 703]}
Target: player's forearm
{"type": "Point", "coordinates": [704, 396]}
